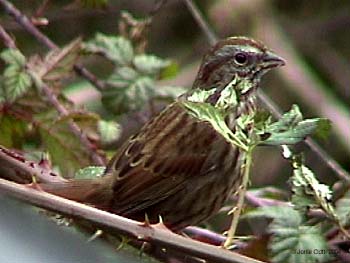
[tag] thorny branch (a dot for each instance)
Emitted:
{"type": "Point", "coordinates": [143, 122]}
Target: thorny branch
{"type": "Point", "coordinates": [156, 234]}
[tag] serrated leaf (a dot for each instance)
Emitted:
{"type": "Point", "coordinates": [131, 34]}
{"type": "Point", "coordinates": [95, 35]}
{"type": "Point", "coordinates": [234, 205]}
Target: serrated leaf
{"type": "Point", "coordinates": [13, 57]}
{"type": "Point", "coordinates": [274, 212]}
{"type": "Point", "coordinates": [207, 112]}
{"type": "Point", "coordinates": [64, 147]}
{"type": "Point", "coordinates": [127, 74]}
{"type": "Point", "coordinates": [127, 91]}
{"type": "Point", "coordinates": [150, 64]}
{"type": "Point", "coordinates": [58, 63]}
{"type": "Point", "coordinates": [109, 131]}
{"type": "Point", "coordinates": [117, 49]}
{"type": "Point", "coordinates": [90, 172]}
{"type": "Point", "coordinates": [291, 129]}
{"type": "Point", "coordinates": [308, 192]}
{"type": "Point", "coordinates": [12, 131]}
{"type": "Point", "coordinates": [289, 119]}
{"type": "Point", "coordinates": [15, 82]}
{"type": "Point", "coordinates": [289, 234]}
{"type": "Point", "coordinates": [293, 242]}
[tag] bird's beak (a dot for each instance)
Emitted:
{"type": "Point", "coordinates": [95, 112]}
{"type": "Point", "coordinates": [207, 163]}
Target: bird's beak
{"type": "Point", "coordinates": [271, 60]}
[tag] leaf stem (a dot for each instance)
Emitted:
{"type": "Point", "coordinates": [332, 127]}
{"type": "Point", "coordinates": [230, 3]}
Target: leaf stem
{"type": "Point", "coordinates": [241, 193]}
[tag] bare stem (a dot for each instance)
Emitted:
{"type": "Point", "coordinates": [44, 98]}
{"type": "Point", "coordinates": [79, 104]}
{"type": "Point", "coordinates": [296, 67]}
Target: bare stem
{"type": "Point", "coordinates": [198, 16]}
{"type": "Point", "coordinates": [8, 41]}
{"type": "Point", "coordinates": [30, 28]}
{"type": "Point", "coordinates": [240, 202]}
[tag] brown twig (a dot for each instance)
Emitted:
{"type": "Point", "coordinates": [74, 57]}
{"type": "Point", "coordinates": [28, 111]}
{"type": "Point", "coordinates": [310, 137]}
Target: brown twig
{"type": "Point", "coordinates": [155, 233]}
{"type": "Point", "coordinates": [52, 98]}
{"type": "Point", "coordinates": [8, 41]}
{"type": "Point", "coordinates": [21, 170]}
{"type": "Point", "coordinates": [197, 15]}
{"type": "Point", "coordinates": [23, 20]}
{"type": "Point", "coordinates": [261, 201]}
{"type": "Point", "coordinates": [157, 6]}
{"type": "Point", "coordinates": [269, 104]}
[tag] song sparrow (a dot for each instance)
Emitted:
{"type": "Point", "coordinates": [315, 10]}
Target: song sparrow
{"type": "Point", "coordinates": [177, 166]}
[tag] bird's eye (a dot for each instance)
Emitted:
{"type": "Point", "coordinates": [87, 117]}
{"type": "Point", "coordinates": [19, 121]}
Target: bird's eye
{"type": "Point", "coordinates": [241, 58]}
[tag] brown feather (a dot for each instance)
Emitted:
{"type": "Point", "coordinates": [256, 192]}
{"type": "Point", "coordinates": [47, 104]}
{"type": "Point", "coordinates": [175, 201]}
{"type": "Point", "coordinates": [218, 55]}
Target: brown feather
{"type": "Point", "coordinates": [95, 192]}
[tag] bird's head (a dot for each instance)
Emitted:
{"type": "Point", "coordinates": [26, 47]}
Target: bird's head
{"type": "Point", "coordinates": [235, 63]}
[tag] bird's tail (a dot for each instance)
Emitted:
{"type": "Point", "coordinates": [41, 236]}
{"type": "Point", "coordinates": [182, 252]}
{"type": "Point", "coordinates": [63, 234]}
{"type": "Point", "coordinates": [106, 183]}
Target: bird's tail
{"type": "Point", "coordinates": [96, 192]}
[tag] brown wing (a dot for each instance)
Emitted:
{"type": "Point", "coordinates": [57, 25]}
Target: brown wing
{"type": "Point", "coordinates": [156, 163]}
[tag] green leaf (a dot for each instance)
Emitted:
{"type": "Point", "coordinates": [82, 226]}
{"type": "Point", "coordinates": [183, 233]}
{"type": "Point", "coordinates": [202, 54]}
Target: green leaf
{"type": "Point", "coordinates": [323, 129]}
{"type": "Point", "coordinates": [12, 131]}
{"type": "Point", "coordinates": [127, 91]}
{"type": "Point", "coordinates": [13, 57]}
{"type": "Point", "coordinates": [117, 49]}
{"type": "Point", "coordinates": [170, 71]}
{"type": "Point", "coordinates": [308, 192]}
{"type": "Point", "coordinates": [150, 64]}
{"type": "Point", "coordinates": [90, 172]}
{"type": "Point", "coordinates": [290, 234]}
{"type": "Point", "coordinates": [289, 119]}
{"type": "Point", "coordinates": [274, 212]}
{"type": "Point", "coordinates": [126, 74]}
{"type": "Point", "coordinates": [293, 242]}
{"type": "Point", "coordinates": [15, 82]}
{"type": "Point", "coordinates": [291, 129]}
{"type": "Point", "coordinates": [109, 131]}
{"type": "Point", "coordinates": [207, 112]}
{"type": "Point", "coordinates": [58, 63]}
{"type": "Point", "coordinates": [169, 91]}
{"type": "Point", "coordinates": [65, 149]}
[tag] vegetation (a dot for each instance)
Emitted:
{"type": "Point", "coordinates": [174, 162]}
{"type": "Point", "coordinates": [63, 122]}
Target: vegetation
{"type": "Point", "coordinates": [66, 109]}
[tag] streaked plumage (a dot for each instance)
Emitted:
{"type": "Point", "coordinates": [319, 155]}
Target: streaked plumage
{"type": "Point", "coordinates": [177, 166]}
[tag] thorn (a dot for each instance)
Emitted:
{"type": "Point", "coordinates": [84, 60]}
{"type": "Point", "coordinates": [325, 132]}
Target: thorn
{"type": "Point", "coordinates": [146, 223]}
{"type": "Point", "coordinates": [232, 211]}
{"type": "Point", "coordinates": [160, 220]}
{"type": "Point", "coordinates": [34, 184]}
{"type": "Point", "coordinates": [96, 235]}
{"type": "Point", "coordinates": [123, 242]}
{"type": "Point", "coordinates": [161, 225]}
{"type": "Point", "coordinates": [142, 249]}
{"type": "Point", "coordinates": [45, 161]}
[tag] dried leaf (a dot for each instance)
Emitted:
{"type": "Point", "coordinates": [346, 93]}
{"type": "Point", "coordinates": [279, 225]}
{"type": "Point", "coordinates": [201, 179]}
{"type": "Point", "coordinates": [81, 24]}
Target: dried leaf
{"type": "Point", "coordinates": [58, 63]}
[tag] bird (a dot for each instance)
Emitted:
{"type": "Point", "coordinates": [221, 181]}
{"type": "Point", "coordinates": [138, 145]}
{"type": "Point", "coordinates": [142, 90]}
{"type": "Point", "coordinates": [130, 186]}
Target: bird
{"type": "Point", "coordinates": [178, 167]}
